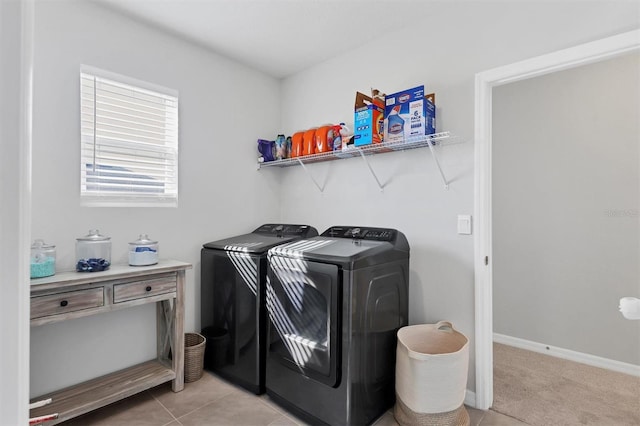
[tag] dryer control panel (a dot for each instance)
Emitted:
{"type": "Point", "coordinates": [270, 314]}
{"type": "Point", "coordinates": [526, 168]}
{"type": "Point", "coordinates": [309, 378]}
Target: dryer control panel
{"type": "Point", "coordinates": [361, 233]}
{"type": "Point", "coordinates": [280, 230]}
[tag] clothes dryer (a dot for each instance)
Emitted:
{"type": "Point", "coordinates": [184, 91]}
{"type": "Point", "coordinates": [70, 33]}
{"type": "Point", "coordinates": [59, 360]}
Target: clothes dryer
{"type": "Point", "coordinates": [232, 307]}
{"type": "Point", "coordinates": [335, 303]}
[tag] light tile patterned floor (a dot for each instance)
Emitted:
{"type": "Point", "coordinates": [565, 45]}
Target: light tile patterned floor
{"type": "Point", "coordinates": [213, 401]}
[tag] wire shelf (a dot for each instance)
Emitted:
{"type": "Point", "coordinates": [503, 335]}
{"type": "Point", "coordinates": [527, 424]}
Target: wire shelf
{"type": "Point", "coordinates": [435, 139]}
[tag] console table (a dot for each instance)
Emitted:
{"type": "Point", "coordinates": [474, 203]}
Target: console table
{"type": "Point", "coordinates": [69, 295]}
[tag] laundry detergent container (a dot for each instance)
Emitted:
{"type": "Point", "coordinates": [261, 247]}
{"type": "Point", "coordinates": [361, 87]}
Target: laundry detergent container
{"type": "Point", "coordinates": [432, 361]}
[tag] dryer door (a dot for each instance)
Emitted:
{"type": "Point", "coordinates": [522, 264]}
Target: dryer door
{"type": "Point", "coordinates": [304, 312]}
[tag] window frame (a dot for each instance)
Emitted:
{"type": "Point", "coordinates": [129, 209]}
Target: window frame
{"type": "Point", "coordinates": [122, 199]}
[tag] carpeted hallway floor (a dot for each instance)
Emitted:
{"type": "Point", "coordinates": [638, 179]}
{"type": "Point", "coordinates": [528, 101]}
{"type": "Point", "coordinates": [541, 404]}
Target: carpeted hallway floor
{"type": "Point", "coordinates": [541, 390]}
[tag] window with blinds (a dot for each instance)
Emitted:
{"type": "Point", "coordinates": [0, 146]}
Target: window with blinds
{"type": "Point", "coordinates": [129, 141]}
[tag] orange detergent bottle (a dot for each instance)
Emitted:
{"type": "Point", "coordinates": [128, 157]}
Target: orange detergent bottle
{"type": "Point", "coordinates": [309, 142]}
{"type": "Point", "coordinates": [324, 139]}
{"type": "Point", "coordinates": [296, 144]}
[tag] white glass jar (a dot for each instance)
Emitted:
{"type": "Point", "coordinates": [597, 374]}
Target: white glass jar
{"type": "Point", "coordinates": [93, 252]}
{"type": "Point", "coordinates": [143, 251]}
{"type": "Point", "coordinates": [43, 259]}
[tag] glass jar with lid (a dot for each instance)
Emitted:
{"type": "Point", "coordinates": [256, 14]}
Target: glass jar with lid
{"type": "Point", "coordinates": [43, 259]}
{"type": "Point", "coordinates": [93, 252]}
{"type": "Point", "coordinates": [143, 251]}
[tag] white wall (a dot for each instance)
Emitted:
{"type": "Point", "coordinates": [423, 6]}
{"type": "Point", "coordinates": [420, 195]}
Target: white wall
{"type": "Point", "coordinates": [566, 197]}
{"type": "Point", "coordinates": [442, 52]}
{"type": "Point", "coordinates": [15, 144]}
{"type": "Point", "coordinates": [224, 108]}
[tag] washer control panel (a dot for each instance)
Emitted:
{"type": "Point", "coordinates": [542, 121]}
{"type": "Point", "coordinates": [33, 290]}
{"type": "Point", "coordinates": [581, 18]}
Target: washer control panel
{"type": "Point", "coordinates": [361, 233]}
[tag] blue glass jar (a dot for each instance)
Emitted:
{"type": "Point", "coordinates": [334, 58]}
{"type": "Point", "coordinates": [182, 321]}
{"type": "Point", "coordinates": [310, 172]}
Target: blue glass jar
{"type": "Point", "coordinates": [93, 252]}
{"type": "Point", "coordinates": [43, 259]}
{"type": "Point", "coordinates": [143, 251]}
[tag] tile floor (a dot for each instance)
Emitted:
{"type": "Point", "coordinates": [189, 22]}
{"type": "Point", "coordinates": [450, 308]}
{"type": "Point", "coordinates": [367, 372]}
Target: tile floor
{"type": "Point", "coordinates": [213, 401]}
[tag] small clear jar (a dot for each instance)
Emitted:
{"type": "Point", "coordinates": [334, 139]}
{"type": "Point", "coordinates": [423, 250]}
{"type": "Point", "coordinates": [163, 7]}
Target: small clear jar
{"type": "Point", "coordinates": [93, 252]}
{"type": "Point", "coordinates": [43, 259]}
{"type": "Point", "coordinates": [143, 251]}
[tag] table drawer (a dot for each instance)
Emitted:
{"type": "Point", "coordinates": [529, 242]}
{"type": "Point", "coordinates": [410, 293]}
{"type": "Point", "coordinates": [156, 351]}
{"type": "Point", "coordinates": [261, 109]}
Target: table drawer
{"type": "Point", "coordinates": [62, 303]}
{"type": "Point", "coordinates": [142, 289]}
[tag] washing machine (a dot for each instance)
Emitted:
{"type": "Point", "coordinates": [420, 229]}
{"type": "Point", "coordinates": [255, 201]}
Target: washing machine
{"type": "Point", "coordinates": [232, 303]}
{"type": "Point", "coordinates": [335, 303]}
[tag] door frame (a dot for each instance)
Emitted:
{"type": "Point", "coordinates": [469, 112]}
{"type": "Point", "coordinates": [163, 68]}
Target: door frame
{"type": "Point", "coordinates": [15, 242]}
{"type": "Point", "coordinates": [485, 81]}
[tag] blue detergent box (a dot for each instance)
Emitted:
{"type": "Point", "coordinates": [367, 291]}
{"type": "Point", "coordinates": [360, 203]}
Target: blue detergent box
{"type": "Point", "coordinates": [368, 120]}
{"type": "Point", "coordinates": [409, 115]}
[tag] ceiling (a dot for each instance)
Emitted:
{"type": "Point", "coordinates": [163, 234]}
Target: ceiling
{"type": "Point", "coordinates": [284, 37]}
{"type": "Point", "coordinates": [279, 37]}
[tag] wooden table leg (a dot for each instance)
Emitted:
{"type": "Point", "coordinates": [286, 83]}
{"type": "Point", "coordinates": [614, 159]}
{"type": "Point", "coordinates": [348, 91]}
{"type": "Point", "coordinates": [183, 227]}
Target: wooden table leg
{"type": "Point", "coordinates": [178, 334]}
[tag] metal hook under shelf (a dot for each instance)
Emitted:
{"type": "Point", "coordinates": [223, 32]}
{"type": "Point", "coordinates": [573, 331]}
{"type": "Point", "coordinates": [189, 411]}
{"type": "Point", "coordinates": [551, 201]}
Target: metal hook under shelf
{"type": "Point", "coordinates": [373, 173]}
{"type": "Point", "coordinates": [320, 188]}
{"type": "Point", "coordinates": [435, 158]}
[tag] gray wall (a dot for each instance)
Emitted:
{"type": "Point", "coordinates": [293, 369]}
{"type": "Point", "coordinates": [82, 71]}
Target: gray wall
{"type": "Point", "coordinates": [566, 189]}
{"type": "Point", "coordinates": [221, 194]}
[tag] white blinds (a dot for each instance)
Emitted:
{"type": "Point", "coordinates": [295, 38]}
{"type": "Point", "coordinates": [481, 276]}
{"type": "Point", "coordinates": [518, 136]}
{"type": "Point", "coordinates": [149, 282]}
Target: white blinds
{"type": "Point", "coordinates": [129, 142]}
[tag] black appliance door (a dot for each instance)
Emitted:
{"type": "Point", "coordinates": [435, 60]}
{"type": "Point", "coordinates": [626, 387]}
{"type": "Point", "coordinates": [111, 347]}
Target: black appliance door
{"type": "Point", "coordinates": [303, 303]}
{"type": "Point", "coordinates": [231, 313]}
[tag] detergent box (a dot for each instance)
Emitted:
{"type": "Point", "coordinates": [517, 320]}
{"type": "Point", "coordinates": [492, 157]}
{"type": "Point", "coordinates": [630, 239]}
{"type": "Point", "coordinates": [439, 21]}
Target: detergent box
{"type": "Point", "coordinates": [409, 114]}
{"type": "Point", "coordinates": [368, 120]}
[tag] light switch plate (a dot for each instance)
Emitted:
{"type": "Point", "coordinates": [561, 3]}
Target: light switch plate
{"type": "Point", "coordinates": [464, 224]}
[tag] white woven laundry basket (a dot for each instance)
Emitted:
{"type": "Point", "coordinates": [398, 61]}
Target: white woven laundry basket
{"type": "Point", "coordinates": [432, 361]}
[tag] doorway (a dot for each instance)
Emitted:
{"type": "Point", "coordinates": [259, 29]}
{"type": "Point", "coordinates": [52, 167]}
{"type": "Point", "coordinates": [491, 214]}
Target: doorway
{"type": "Point", "coordinates": [565, 196]}
{"type": "Point", "coordinates": [485, 82]}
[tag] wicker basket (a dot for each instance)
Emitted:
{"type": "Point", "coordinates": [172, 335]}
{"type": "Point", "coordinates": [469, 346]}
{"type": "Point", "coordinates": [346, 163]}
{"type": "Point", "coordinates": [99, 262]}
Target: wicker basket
{"type": "Point", "coordinates": [406, 416]}
{"type": "Point", "coordinates": [431, 375]}
{"type": "Point", "coordinates": [194, 345]}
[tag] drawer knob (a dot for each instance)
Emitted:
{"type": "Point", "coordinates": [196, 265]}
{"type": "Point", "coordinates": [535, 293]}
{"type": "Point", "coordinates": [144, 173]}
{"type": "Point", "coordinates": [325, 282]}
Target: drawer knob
{"type": "Point", "coordinates": [148, 288]}
{"type": "Point", "coordinates": [64, 303]}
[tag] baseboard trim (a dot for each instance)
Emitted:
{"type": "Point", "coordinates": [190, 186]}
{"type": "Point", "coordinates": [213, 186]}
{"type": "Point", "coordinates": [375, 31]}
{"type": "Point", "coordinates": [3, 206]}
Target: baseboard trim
{"type": "Point", "coordinates": [592, 360]}
{"type": "Point", "coordinates": [470, 399]}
